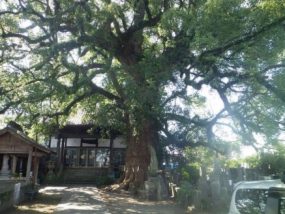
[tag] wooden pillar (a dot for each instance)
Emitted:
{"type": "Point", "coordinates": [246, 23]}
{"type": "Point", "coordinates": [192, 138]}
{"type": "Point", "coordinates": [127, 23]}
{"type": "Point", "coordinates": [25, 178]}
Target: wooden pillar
{"type": "Point", "coordinates": [5, 166]}
{"type": "Point", "coordinates": [36, 169]}
{"type": "Point", "coordinates": [111, 151]}
{"type": "Point", "coordinates": [80, 152]}
{"type": "Point", "coordinates": [62, 151]}
{"type": "Point", "coordinates": [86, 157]}
{"type": "Point", "coordinates": [21, 168]}
{"type": "Point", "coordinates": [65, 152]}
{"type": "Point", "coordinates": [29, 164]}
{"type": "Point", "coordinates": [58, 151]}
{"type": "Point", "coordinates": [111, 166]}
{"type": "Point", "coordinates": [49, 142]}
{"type": "Point", "coordinates": [14, 162]}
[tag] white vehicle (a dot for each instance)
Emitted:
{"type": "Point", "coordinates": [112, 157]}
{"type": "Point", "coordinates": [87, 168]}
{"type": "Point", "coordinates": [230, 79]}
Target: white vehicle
{"type": "Point", "coordinates": [258, 197]}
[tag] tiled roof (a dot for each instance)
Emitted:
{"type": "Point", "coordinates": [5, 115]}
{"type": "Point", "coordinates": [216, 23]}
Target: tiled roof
{"type": "Point", "coordinates": [24, 138]}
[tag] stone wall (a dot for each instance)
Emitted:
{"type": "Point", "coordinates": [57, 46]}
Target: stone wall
{"type": "Point", "coordinates": [12, 193]}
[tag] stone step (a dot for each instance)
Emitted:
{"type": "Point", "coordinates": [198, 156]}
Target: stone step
{"type": "Point", "coordinates": [84, 175]}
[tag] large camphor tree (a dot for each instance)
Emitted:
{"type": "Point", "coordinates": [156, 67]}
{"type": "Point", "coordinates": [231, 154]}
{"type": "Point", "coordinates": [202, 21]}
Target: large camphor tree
{"type": "Point", "coordinates": [142, 66]}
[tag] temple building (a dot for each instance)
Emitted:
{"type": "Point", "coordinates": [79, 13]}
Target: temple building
{"type": "Point", "coordinates": [84, 153]}
{"type": "Point", "coordinates": [19, 155]}
{"type": "Point", "coordinates": [74, 154]}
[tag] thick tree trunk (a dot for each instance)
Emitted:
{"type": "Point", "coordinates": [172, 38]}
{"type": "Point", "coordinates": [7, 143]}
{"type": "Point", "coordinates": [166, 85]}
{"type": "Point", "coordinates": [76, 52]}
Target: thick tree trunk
{"type": "Point", "coordinates": [140, 157]}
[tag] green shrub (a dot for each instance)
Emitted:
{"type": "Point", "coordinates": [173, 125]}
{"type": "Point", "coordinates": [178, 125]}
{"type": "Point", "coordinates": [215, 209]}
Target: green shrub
{"type": "Point", "coordinates": [190, 173]}
{"type": "Point", "coordinates": [6, 196]}
{"type": "Point", "coordinates": [185, 193]}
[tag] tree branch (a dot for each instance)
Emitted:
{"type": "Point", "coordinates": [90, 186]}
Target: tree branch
{"type": "Point", "coordinates": [9, 105]}
{"type": "Point", "coordinates": [278, 93]}
{"type": "Point", "coordinates": [271, 67]}
{"type": "Point", "coordinates": [67, 109]}
{"type": "Point", "coordinates": [242, 39]}
{"type": "Point", "coordinates": [195, 120]}
{"type": "Point", "coordinates": [98, 90]}
{"type": "Point", "coordinates": [193, 144]}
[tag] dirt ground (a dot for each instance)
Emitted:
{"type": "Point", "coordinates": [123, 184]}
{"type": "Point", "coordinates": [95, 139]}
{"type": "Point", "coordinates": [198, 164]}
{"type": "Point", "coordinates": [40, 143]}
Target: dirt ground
{"type": "Point", "coordinates": [45, 202]}
{"type": "Point", "coordinates": [124, 203]}
{"type": "Point", "coordinates": [50, 198]}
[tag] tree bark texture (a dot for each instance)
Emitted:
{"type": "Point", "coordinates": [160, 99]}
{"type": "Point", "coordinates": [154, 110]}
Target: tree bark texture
{"type": "Point", "coordinates": [139, 157]}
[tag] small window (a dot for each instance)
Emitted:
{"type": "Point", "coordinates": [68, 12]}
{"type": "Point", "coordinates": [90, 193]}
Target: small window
{"type": "Point", "coordinates": [71, 157]}
{"type": "Point", "coordinates": [251, 201]}
{"type": "Point", "coordinates": [102, 157]}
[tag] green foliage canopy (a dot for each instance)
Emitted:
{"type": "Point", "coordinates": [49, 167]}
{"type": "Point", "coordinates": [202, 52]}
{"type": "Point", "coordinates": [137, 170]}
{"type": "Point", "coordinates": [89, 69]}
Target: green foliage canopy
{"type": "Point", "coordinates": [149, 55]}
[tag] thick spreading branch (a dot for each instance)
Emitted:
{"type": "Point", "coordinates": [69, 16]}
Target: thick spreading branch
{"type": "Point", "coordinates": [69, 106]}
{"type": "Point", "coordinates": [193, 144]}
{"type": "Point", "coordinates": [174, 95]}
{"type": "Point", "coordinates": [277, 92]}
{"type": "Point", "coordinates": [185, 120]}
{"type": "Point", "coordinates": [98, 90]}
{"type": "Point", "coordinates": [9, 105]}
{"type": "Point", "coordinates": [243, 39]}
{"type": "Point", "coordinates": [242, 121]}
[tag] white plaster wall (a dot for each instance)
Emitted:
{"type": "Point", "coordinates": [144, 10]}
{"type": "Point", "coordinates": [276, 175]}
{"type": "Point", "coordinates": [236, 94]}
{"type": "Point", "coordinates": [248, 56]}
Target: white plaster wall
{"type": "Point", "coordinates": [119, 142]}
{"type": "Point", "coordinates": [73, 142]}
{"type": "Point", "coordinates": [53, 143]}
{"type": "Point", "coordinates": [103, 142]}
{"type": "Point", "coordinates": [70, 142]}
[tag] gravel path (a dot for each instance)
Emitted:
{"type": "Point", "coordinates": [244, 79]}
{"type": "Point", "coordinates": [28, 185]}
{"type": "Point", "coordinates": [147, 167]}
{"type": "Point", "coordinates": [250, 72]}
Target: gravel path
{"type": "Point", "coordinates": [77, 200]}
{"type": "Point", "coordinates": [83, 199]}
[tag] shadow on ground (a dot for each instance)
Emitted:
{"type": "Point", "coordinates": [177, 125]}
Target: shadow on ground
{"type": "Point", "coordinates": [89, 199]}
{"type": "Point", "coordinates": [123, 203]}
{"type": "Point", "coordinates": [45, 202]}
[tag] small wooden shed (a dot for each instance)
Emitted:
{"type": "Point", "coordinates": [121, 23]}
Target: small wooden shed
{"type": "Point", "coordinates": [19, 155]}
